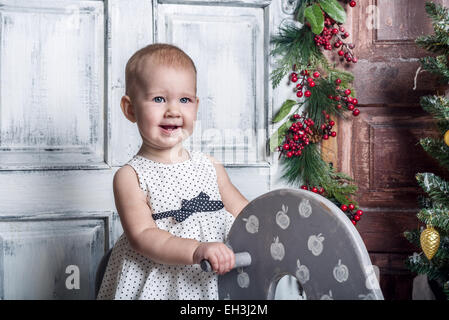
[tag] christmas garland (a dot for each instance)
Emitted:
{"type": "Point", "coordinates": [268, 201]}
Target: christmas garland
{"type": "Point", "coordinates": [323, 93]}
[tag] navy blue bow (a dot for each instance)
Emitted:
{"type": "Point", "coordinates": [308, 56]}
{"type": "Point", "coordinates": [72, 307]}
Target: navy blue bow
{"type": "Point", "coordinates": [198, 204]}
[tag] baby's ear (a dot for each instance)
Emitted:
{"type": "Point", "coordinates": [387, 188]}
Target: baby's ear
{"type": "Point", "coordinates": [128, 109]}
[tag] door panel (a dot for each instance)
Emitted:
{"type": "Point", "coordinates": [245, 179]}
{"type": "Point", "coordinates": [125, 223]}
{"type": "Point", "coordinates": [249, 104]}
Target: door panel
{"type": "Point", "coordinates": [51, 61]}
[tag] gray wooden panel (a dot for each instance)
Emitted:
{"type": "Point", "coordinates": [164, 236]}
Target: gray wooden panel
{"type": "Point", "coordinates": [28, 193]}
{"type": "Point", "coordinates": [227, 45]}
{"type": "Point", "coordinates": [51, 88]}
{"type": "Point", "coordinates": [37, 256]}
{"type": "Point", "coordinates": [130, 27]}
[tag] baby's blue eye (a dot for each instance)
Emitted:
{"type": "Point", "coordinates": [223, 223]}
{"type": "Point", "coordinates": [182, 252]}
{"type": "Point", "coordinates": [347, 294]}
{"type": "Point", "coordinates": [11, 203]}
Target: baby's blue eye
{"type": "Point", "coordinates": [158, 99]}
{"type": "Point", "coordinates": [184, 100]}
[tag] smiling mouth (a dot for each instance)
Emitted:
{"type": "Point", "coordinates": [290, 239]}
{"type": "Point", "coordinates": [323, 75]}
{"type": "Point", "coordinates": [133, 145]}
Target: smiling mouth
{"type": "Point", "coordinates": [169, 128]}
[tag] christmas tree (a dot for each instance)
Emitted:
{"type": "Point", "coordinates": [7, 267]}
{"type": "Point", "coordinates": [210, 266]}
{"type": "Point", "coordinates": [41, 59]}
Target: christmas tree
{"type": "Point", "coordinates": [434, 240]}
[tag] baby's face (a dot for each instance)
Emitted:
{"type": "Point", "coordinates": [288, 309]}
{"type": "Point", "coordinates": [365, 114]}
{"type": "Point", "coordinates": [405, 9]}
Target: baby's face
{"type": "Point", "coordinates": [165, 97]}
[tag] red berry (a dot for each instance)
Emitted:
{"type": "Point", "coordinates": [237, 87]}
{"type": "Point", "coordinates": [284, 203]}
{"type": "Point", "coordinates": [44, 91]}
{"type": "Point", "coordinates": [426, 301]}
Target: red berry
{"type": "Point", "coordinates": [341, 53]}
{"type": "Point", "coordinates": [304, 187]}
{"type": "Point", "coordinates": [356, 112]}
{"type": "Point", "coordinates": [294, 79]}
{"type": "Point", "coordinates": [347, 92]}
{"type": "Point", "coordinates": [307, 93]}
{"type": "Point", "coordinates": [321, 190]}
{"type": "Point", "coordinates": [333, 134]}
{"type": "Point", "coordinates": [356, 218]}
{"type": "Point", "coordinates": [354, 222]}
{"type": "Point", "coordinates": [350, 107]}
{"type": "Point", "coordinates": [359, 212]}
{"type": "Point", "coordinates": [334, 31]}
{"type": "Point", "coordinates": [352, 3]}
{"type": "Point", "coordinates": [325, 137]}
{"type": "Point", "coordinates": [296, 137]}
{"type": "Point", "coordinates": [299, 94]}
{"type": "Point", "coordinates": [289, 154]}
{"type": "Point", "coordinates": [316, 74]}
{"type": "Point", "coordinates": [355, 101]}
{"type": "Point", "coordinates": [344, 207]}
{"type": "Point", "coordinates": [338, 81]}
{"type": "Point", "coordinates": [332, 123]}
{"type": "Point", "coordinates": [351, 206]}
{"type": "Point", "coordinates": [286, 146]}
{"type": "Point", "coordinates": [342, 29]}
{"type": "Point", "coordinates": [354, 60]}
{"type": "Point", "coordinates": [311, 84]}
{"type": "Point", "coordinates": [339, 106]}
{"type": "Point", "coordinates": [315, 189]}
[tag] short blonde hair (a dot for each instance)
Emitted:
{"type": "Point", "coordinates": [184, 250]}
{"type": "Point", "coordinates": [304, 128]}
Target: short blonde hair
{"type": "Point", "coordinates": [159, 53]}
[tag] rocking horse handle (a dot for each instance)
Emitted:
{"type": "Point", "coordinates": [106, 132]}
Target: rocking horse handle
{"type": "Point", "coordinates": [242, 259]}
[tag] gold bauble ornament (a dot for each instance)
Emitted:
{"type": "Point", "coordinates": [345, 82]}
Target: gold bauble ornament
{"type": "Point", "coordinates": [430, 241]}
{"type": "Point", "coordinates": [446, 138]}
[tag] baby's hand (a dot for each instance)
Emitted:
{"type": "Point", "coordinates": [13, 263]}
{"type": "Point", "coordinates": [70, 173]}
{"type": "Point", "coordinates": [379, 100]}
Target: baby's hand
{"type": "Point", "coordinates": [221, 258]}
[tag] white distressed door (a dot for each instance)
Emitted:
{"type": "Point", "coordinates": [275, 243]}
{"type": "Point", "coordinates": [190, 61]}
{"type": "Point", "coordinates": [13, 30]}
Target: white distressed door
{"type": "Point", "coordinates": [62, 134]}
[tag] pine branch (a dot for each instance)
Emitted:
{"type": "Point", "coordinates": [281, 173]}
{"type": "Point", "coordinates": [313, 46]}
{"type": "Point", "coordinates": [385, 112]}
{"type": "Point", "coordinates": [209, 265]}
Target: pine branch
{"type": "Point", "coordinates": [435, 187]}
{"type": "Point", "coordinates": [438, 42]}
{"type": "Point", "coordinates": [438, 149]}
{"type": "Point", "coordinates": [439, 15]}
{"type": "Point", "coordinates": [437, 65]}
{"type": "Point", "coordinates": [430, 268]}
{"type": "Point", "coordinates": [310, 169]}
{"type": "Point", "coordinates": [294, 46]}
{"type": "Point", "coordinates": [437, 106]}
{"type": "Point", "coordinates": [433, 43]}
{"type": "Point", "coordinates": [307, 169]}
{"type": "Point", "coordinates": [436, 217]}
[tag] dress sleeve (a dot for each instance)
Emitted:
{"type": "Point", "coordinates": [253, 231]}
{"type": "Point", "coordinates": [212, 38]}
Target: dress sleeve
{"type": "Point", "coordinates": [137, 165]}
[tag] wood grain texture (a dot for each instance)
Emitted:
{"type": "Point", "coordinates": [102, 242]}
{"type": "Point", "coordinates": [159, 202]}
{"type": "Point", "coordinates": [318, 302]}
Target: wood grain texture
{"type": "Point", "coordinates": [388, 57]}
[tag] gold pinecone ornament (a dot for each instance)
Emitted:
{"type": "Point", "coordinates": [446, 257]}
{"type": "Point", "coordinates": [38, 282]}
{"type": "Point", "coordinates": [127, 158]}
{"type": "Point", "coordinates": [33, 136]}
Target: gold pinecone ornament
{"type": "Point", "coordinates": [446, 137]}
{"type": "Point", "coordinates": [430, 241]}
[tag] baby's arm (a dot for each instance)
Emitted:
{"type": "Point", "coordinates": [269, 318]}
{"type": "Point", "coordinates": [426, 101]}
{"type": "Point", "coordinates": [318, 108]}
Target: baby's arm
{"type": "Point", "coordinates": [159, 245]}
{"type": "Point", "coordinates": [231, 197]}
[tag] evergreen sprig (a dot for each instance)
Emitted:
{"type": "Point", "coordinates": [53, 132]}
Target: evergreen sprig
{"type": "Point", "coordinates": [311, 169]}
{"type": "Point", "coordinates": [438, 42]}
{"type": "Point", "coordinates": [435, 187]}
{"type": "Point", "coordinates": [437, 106]}
{"type": "Point", "coordinates": [436, 217]}
{"type": "Point", "coordinates": [294, 45]}
{"type": "Point", "coordinates": [437, 65]}
{"type": "Point", "coordinates": [438, 149]}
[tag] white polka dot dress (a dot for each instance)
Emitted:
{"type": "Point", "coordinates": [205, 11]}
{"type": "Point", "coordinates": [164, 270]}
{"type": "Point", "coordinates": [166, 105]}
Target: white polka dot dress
{"type": "Point", "coordinates": [191, 184]}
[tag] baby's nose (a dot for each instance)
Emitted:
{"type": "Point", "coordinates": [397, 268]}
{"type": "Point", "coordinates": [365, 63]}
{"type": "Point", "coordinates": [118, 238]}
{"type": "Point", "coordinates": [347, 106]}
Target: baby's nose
{"type": "Point", "coordinates": [173, 110]}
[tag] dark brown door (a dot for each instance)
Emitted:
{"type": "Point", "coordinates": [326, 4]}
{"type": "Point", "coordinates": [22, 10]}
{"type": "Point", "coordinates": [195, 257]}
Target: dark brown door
{"type": "Point", "coordinates": [379, 147]}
